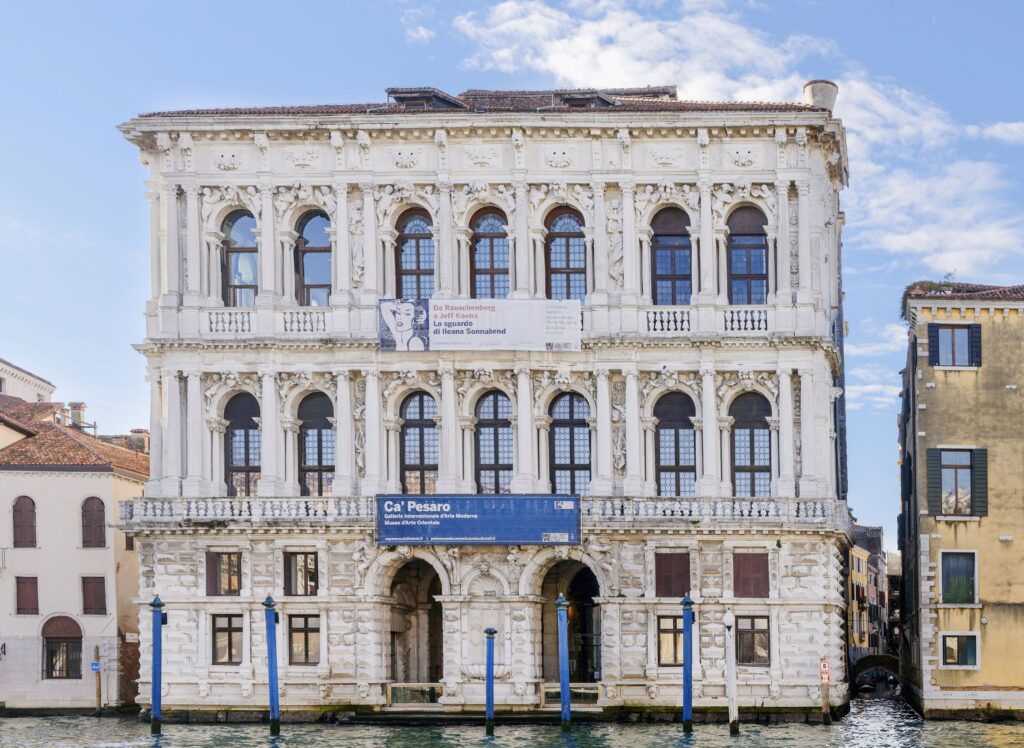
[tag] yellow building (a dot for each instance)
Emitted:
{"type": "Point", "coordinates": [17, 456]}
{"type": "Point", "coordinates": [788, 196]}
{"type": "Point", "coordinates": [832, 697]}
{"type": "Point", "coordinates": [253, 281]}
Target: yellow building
{"type": "Point", "coordinates": [857, 612]}
{"type": "Point", "coordinates": [961, 528]}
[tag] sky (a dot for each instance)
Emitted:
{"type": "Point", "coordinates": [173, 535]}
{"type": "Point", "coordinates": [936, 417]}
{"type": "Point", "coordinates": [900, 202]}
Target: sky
{"type": "Point", "coordinates": [929, 93]}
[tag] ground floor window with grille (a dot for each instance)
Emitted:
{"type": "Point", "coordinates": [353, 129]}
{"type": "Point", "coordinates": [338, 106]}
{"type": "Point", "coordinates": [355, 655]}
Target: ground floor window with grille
{"type": "Point", "coordinates": [960, 650]}
{"type": "Point", "coordinates": [304, 640]}
{"type": "Point", "coordinates": [62, 649]}
{"type": "Point", "coordinates": [670, 640]}
{"type": "Point", "coordinates": [227, 640]}
{"type": "Point", "coordinates": [752, 639]}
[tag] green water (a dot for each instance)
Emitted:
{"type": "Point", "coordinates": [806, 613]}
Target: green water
{"type": "Point", "coordinates": [871, 724]}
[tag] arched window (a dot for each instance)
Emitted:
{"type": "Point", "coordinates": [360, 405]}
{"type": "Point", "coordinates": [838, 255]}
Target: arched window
{"type": "Point", "coordinates": [494, 443]}
{"type": "Point", "coordinates": [94, 521]}
{"type": "Point", "coordinates": [748, 257]}
{"type": "Point", "coordinates": [570, 444]}
{"type": "Point", "coordinates": [671, 257]}
{"type": "Point", "coordinates": [242, 445]}
{"type": "Point", "coordinates": [566, 256]}
{"type": "Point", "coordinates": [415, 256]}
{"type": "Point", "coordinates": [751, 445]}
{"type": "Point", "coordinates": [313, 260]}
{"type": "Point", "coordinates": [488, 260]}
{"type": "Point", "coordinates": [419, 444]}
{"type": "Point", "coordinates": [24, 522]}
{"type": "Point", "coordinates": [241, 259]}
{"type": "Point", "coordinates": [676, 448]}
{"type": "Point", "coordinates": [62, 649]}
{"type": "Point", "coordinates": [316, 445]}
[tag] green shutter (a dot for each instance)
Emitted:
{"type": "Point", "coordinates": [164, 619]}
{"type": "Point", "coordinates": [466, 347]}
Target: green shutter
{"type": "Point", "coordinates": [974, 344]}
{"type": "Point", "coordinates": [933, 345]}
{"type": "Point", "coordinates": [935, 482]}
{"type": "Point", "coordinates": [979, 482]}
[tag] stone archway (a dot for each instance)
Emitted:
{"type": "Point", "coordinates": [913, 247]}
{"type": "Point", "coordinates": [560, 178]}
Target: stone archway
{"type": "Point", "coordinates": [886, 662]}
{"type": "Point", "coordinates": [415, 630]}
{"type": "Point", "coordinates": [580, 587]}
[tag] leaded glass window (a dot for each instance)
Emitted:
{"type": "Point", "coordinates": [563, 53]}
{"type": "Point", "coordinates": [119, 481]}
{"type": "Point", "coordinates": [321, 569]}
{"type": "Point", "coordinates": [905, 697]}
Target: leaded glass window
{"type": "Point", "coordinates": [570, 444]}
{"type": "Point", "coordinates": [748, 257]}
{"type": "Point", "coordinates": [751, 446]}
{"type": "Point", "coordinates": [415, 256]}
{"type": "Point", "coordinates": [242, 445]}
{"type": "Point", "coordinates": [489, 258]}
{"type": "Point", "coordinates": [313, 260]}
{"type": "Point", "coordinates": [494, 443]}
{"type": "Point", "coordinates": [241, 259]}
{"type": "Point", "coordinates": [420, 447]}
{"type": "Point", "coordinates": [566, 256]}
{"type": "Point", "coordinates": [671, 256]}
{"type": "Point", "coordinates": [316, 445]}
{"type": "Point", "coordinates": [676, 455]}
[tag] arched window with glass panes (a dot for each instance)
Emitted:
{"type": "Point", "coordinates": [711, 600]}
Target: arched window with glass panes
{"type": "Point", "coordinates": [489, 256]}
{"type": "Point", "coordinates": [751, 445]}
{"type": "Point", "coordinates": [240, 271]}
{"type": "Point", "coordinates": [414, 261]}
{"type": "Point", "coordinates": [313, 260]}
{"type": "Point", "coordinates": [675, 445]}
{"type": "Point", "coordinates": [671, 258]}
{"type": "Point", "coordinates": [748, 256]}
{"type": "Point", "coordinates": [566, 256]}
{"type": "Point", "coordinates": [420, 447]}
{"type": "Point", "coordinates": [316, 445]}
{"type": "Point", "coordinates": [570, 444]}
{"type": "Point", "coordinates": [242, 444]}
{"type": "Point", "coordinates": [494, 443]}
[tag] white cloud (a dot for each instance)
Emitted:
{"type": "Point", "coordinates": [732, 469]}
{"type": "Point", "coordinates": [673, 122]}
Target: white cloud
{"type": "Point", "coordinates": [420, 34]}
{"type": "Point", "coordinates": [1005, 132]}
{"type": "Point", "coordinates": [872, 396]}
{"type": "Point", "coordinates": [890, 339]}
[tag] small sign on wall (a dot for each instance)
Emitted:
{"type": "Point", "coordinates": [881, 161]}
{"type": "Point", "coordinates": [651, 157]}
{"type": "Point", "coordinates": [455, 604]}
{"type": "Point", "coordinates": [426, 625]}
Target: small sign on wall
{"type": "Point", "coordinates": [95, 667]}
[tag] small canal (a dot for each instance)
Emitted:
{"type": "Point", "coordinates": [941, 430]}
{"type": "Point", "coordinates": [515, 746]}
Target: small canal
{"type": "Point", "coordinates": [872, 723]}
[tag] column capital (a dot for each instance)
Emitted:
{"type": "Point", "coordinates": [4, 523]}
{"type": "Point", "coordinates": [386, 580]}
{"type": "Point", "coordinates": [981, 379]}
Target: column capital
{"type": "Point", "coordinates": [705, 185]}
{"type": "Point", "coordinates": [291, 425]}
{"type": "Point", "coordinates": [169, 188]}
{"type": "Point", "coordinates": [368, 373]}
{"type": "Point", "coordinates": [725, 423]}
{"type": "Point", "coordinates": [543, 422]}
{"type": "Point", "coordinates": [394, 424]}
{"type": "Point", "coordinates": [342, 375]}
{"type": "Point", "coordinates": [650, 423]}
{"type": "Point", "coordinates": [601, 372]}
{"type": "Point", "coordinates": [698, 423]}
{"type": "Point", "coordinates": [521, 369]}
{"type": "Point", "coordinates": [803, 187]}
{"type": "Point", "coordinates": [217, 425]}
{"type": "Point", "coordinates": [773, 423]}
{"type": "Point", "coordinates": [468, 422]}
{"type": "Point", "coordinates": [191, 373]}
{"type": "Point", "coordinates": [627, 186]}
{"type": "Point", "coordinates": [630, 372]}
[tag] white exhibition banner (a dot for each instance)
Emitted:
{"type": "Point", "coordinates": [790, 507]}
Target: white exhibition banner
{"type": "Point", "coordinates": [480, 325]}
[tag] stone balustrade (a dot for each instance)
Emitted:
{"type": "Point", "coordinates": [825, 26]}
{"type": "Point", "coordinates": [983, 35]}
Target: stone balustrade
{"type": "Point", "coordinates": [155, 513]}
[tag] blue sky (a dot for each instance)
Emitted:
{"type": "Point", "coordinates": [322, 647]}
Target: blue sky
{"type": "Point", "coordinates": [929, 91]}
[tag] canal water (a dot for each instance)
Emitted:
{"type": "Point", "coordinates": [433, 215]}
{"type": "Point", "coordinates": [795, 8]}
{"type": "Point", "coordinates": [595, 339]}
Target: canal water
{"type": "Point", "coordinates": [872, 723]}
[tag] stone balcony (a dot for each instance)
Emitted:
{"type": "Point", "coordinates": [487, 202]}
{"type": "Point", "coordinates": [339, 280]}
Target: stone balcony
{"type": "Point", "coordinates": [733, 513]}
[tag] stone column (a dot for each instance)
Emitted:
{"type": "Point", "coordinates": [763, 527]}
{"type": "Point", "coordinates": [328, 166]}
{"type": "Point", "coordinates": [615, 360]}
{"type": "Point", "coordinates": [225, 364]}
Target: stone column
{"type": "Point", "coordinates": [290, 427]}
{"type": "Point", "coordinates": [540, 279]}
{"type": "Point", "coordinates": [629, 245]}
{"type": "Point", "coordinates": [786, 486]}
{"type": "Point", "coordinates": [600, 287]}
{"type": "Point", "coordinates": [602, 485]}
{"type": "Point", "coordinates": [709, 482]}
{"type": "Point", "coordinates": [218, 428]}
{"type": "Point", "coordinates": [525, 478]}
{"type": "Point", "coordinates": [194, 435]}
{"type": "Point", "coordinates": [698, 456]}
{"type": "Point", "coordinates": [522, 244]}
{"type": "Point", "coordinates": [214, 262]}
{"type": "Point", "coordinates": [172, 249]}
{"type": "Point", "coordinates": [193, 287]}
{"type": "Point", "coordinates": [783, 292]}
{"type": "Point", "coordinates": [172, 438]}
{"type": "Point", "coordinates": [388, 245]}
{"type": "Point", "coordinates": [773, 248]}
{"type": "Point", "coordinates": [269, 435]}
{"type": "Point", "coordinates": [773, 426]}
{"type": "Point", "coordinates": [803, 190]}
{"type": "Point", "coordinates": [725, 426]}
{"type": "Point", "coordinates": [633, 483]}
{"type": "Point", "coordinates": [156, 444]}
{"type": "Point", "coordinates": [341, 259]}
{"type": "Point", "coordinates": [344, 429]}
{"type": "Point", "coordinates": [722, 248]}
{"type": "Point", "coordinates": [266, 295]}
{"type": "Point", "coordinates": [808, 472]}
{"type": "Point", "coordinates": [372, 450]}
{"type": "Point", "coordinates": [153, 198]}
{"type": "Point", "coordinates": [450, 457]}
{"type": "Point", "coordinates": [467, 424]}
{"type": "Point", "coordinates": [287, 239]}
{"type": "Point", "coordinates": [464, 283]}
{"type": "Point", "coordinates": [646, 294]}
{"type": "Point", "coordinates": [544, 453]}
{"type": "Point", "coordinates": [392, 457]}
{"type": "Point", "coordinates": [708, 286]}
{"type": "Point", "coordinates": [650, 426]}
{"type": "Point", "coordinates": [446, 257]}
{"type": "Point", "coordinates": [371, 288]}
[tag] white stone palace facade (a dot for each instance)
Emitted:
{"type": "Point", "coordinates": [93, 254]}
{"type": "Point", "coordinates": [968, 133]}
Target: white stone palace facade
{"type": "Point", "coordinates": [702, 422]}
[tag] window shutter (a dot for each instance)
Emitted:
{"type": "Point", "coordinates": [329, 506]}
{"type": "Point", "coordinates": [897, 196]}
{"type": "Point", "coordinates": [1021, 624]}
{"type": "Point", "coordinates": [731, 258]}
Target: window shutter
{"type": "Point", "coordinates": [28, 595]}
{"type": "Point", "coordinates": [933, 345]}
{"type": "Point", "coordinates": [93, 521]}
{"type": "Point", "coordinates": [289, 565]}
{"type": "Point", "coordinates": [750, 575]}
{"type": "Point", "coordinates": [671, 574]}
{"type": "Point", "coordinates": [94, 596]}
{"type": "Point", "coordinates": [24, 523]}
{"type": "Point", "coordinates": [974, 344]}
{"type": "Point", "coordinates": [211, 573]}
{"type": "Point", "coordinates": [934, 458]}
{"type": "Point", "coordinates": [979, 482]}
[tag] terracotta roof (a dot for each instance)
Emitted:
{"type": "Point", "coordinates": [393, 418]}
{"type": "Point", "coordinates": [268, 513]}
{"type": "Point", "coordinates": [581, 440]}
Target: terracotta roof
{"type": "Point", "coordinates": [26, 371]}
{"type": "Point", "coordinates": [25, 411]}
{"type": "Point", "coordinates": [964, 291]}
{"type": "Point", "coordinates": [644, 99]}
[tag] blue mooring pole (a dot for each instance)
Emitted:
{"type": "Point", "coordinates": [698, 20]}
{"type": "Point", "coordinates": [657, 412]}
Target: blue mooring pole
{"type": "Point", "coordinates": [687, 664]}
{"type": "Point", "coordinates": [159, 619]}
{"type": "Point", "coordinates": [270, 615]}
{"type": "Point", "coordinates": [565, 698]}
{"type": "Point", "coordinates": [489, 633]}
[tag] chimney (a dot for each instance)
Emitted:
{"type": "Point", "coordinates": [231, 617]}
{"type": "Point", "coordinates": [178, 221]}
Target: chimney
{"type": "Point", "coordinates": [821, 93]}
{"type": "Point", "coordinates": [139, 440]}
{"type": "Point", "coordinates": [77, 411]}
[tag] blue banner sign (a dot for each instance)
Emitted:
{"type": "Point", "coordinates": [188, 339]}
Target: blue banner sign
{"type": "Point", "coordinates": [524, 519]}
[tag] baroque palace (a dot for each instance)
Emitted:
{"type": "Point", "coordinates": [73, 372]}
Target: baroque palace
{"type": "Point", "coordinates": [691, 408]}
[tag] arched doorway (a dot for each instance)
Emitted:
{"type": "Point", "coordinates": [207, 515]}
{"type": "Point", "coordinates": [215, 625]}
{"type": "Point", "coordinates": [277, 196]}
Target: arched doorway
{"type": "Point", "coordinates": [416, 633]}
{"type": "Point", "coordinates": [579, 586]}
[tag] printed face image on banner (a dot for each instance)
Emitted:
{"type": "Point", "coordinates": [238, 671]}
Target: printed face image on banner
{"type": "Point", "coordinates": [404, 324]}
